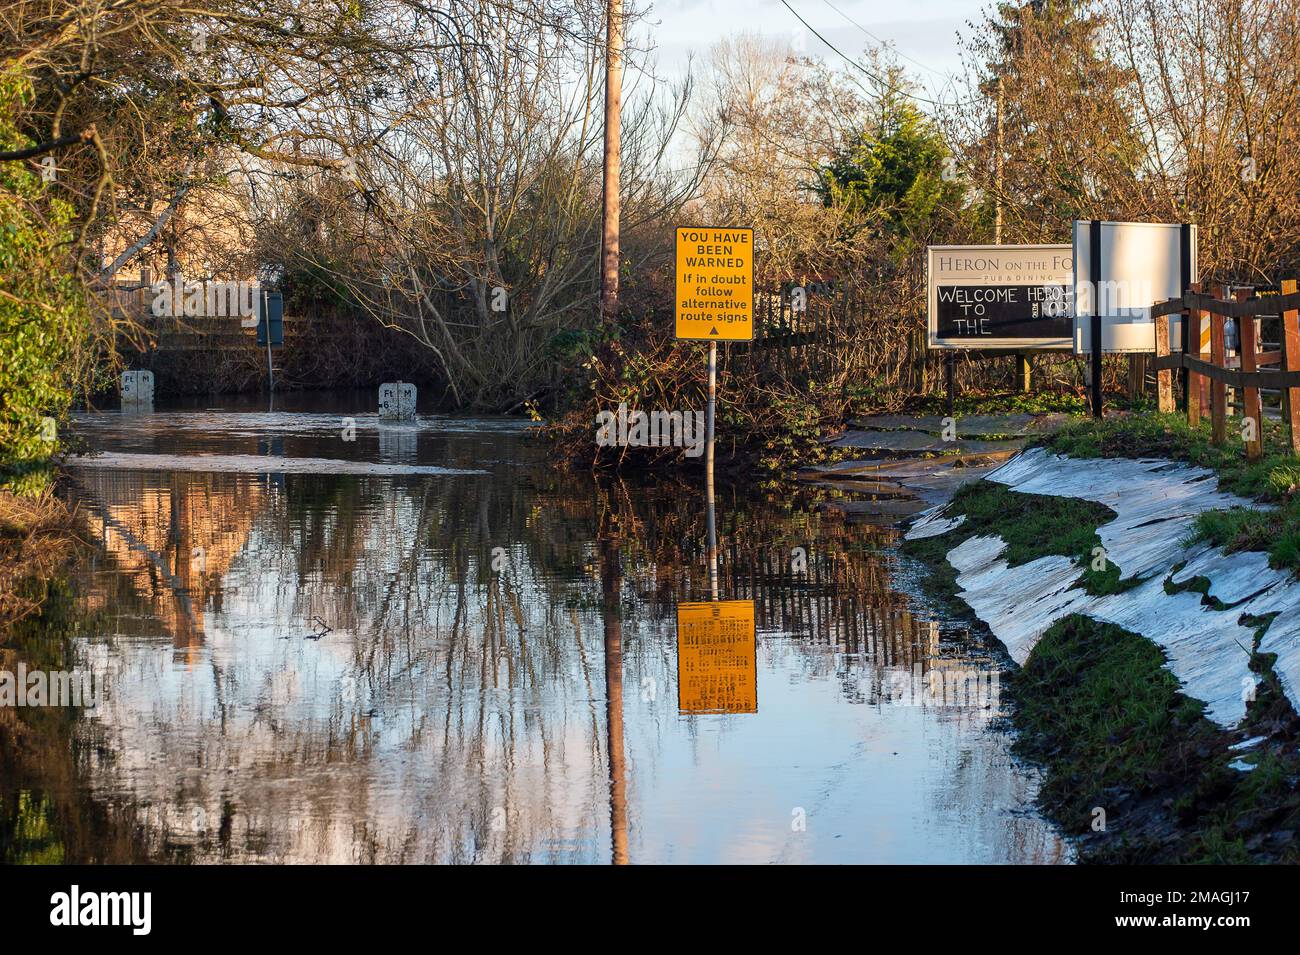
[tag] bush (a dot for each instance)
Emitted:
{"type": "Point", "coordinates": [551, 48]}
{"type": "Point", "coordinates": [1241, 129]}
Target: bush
{"type": "Point", "coordinates": [44, 322]}
{"type": "Point", "coordinates": [762, 419]}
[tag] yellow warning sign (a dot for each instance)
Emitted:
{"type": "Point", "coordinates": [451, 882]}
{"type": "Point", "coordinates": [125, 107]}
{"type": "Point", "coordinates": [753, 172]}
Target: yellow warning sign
{"type": "Point", "coordinates": [717, 669]}
{"type": "Point", "coordinates": [715, 284]}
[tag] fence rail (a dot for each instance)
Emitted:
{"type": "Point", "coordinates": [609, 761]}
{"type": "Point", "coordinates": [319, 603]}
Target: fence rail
{"type": "Point", "coordinates": [1252, 370]}
{"type": "Point", "coordinates": [129, 300]}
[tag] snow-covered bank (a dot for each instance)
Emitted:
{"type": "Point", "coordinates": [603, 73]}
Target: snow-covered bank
{"type": "Point", "coordinates": [1156, 503]}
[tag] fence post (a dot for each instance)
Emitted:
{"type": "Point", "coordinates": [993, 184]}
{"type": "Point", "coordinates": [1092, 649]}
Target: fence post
{"type": "Point", "coordinates": [1164, 377]}
{"type": "Point", "coordinates": [1247, 334]}
{"type": "Point", "coordinates": [919, 339]}
{"type": "Point", "coordinates": [950, 378]}
{"type": "Point", "coordinates": [1218, 390]}
{"type": "Point", "coordinates": [146, 292]}
{"type": "Point", "coordinates": [1291, 362]}
{"type": "Point", "coordinates": [1192, 346]}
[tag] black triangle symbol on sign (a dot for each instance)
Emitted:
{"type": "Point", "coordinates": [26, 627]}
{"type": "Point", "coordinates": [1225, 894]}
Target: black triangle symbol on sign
{"type": "Point", "coordinates": [713, 331]}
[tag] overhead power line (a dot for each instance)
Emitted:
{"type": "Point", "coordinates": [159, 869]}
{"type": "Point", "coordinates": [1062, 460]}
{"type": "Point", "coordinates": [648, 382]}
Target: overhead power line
{"type": "Point", "coordinates": [884, 42]}
{"type": "Point", "coordinates": [892, 86]}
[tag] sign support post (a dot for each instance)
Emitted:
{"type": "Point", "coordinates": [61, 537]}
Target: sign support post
{"type": "Point", "coordinates": [1185, 283]}
{"type": "Point", "coordinates": [950, 379]}
{"type": "Point", "coordinates": [266, 317]}
{"type": "Point", "coordinates": [1094, 246]}
{"type": "Point", "coordinates": [715, 302]}
{"type": "Point", "coordinates": [708, 414]}
{"type": "Point", "coordinates": [708, 469]}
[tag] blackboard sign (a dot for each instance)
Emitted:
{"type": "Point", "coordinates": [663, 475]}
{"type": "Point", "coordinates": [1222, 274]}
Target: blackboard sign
{"type": "Point", "coordinates": [1000, 297]}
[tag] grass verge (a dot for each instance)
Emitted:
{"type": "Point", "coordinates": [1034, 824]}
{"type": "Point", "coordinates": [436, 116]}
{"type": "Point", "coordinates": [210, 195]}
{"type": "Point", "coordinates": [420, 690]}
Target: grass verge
{"type": "Point", "coordinates": [1131, 766]}
{"type": "Point", "coordinates": [1274, 479]}
{"type": "Point", "coordinates": [975, 401]}
{"type": "Point", "coordinates": [1033, 525]}
{"type": "Point", "coordinates": [1119, 744]}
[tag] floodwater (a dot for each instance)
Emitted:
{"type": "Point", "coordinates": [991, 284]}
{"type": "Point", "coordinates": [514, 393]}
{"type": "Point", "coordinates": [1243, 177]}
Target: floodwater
{"type": "Point", "coordinates": [419, 642]}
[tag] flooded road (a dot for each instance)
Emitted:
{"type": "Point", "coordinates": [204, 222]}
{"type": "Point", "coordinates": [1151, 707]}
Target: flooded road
{"type": "Point", "coordinates": [418, 642]}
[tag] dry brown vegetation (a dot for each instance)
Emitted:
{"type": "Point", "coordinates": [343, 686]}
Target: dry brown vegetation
{"type": "Point", "coordinates": [37, 535]}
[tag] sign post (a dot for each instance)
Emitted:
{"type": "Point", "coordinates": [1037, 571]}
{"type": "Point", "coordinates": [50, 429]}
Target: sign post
{"type": "Point", "coordinates": [270, 327]}
{"type": "Point", "coordinates": [1121, 270]}
{"type": "Point", "coordinates": [715, 301]}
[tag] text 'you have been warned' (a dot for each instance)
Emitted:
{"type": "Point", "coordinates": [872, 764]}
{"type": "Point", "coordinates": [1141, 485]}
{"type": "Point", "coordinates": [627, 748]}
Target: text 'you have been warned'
{"type": "Point", "coordinates": [715, 284]}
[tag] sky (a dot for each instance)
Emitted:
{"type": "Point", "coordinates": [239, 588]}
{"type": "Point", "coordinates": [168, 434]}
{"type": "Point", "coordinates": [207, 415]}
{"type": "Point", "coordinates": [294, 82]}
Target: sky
{"type": "Point", "coordinates": [922, 32]}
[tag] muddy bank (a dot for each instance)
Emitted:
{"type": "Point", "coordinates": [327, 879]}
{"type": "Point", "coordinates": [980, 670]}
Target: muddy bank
{"type": "Point", "coordinates": [1135, 769]}
{"type": "Point", "coordinates": [1157, 678]}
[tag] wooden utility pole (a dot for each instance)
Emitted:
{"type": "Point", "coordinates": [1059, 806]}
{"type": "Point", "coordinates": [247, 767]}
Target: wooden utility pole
{"type": "Point", "coordinates": [611, 582]}
{"type": "Point", "coordinates": [1024, 367]}
{"type": "Point", "coordinates": [997, 167]}
{"type": "Point", "coordinates": [611, 572]}
{"type": "Point", "coordinates": [609, 217]}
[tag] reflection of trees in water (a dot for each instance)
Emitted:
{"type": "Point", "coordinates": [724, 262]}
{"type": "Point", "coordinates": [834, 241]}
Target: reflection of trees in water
{"type": "Point", "coordinates": [46, 814]}
{"type": "Point", "coordinates": [454, 713]}
{"type": "Point", "coordinates": [834, 593]}
{"type": "Point", "coordinates": [454, 678]}
{"type": "Point", "coordinates": [172, 541]}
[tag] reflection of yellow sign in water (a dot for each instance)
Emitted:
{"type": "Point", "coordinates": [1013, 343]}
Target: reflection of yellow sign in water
{"type": "Point", "coordinates": [715, 284]}
{"type": "Point", "coordinates": [716, 667]}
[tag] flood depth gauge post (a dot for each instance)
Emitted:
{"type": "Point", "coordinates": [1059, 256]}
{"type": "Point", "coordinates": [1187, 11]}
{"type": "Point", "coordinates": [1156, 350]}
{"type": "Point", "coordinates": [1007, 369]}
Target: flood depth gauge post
{"type": "Point", "coordinates": [715, 302]}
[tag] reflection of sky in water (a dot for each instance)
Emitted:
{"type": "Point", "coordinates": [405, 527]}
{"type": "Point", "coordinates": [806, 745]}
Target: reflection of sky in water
{"type": "Point", "coordinates": [456, 714]}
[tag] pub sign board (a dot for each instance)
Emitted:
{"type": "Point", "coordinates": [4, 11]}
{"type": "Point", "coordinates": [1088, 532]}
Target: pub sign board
{"type": "Point", "coordinates": [1004, 297]}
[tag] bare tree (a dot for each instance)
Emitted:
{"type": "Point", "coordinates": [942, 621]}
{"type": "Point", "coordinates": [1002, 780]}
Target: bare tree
{"type": "Point", "coordinates": [471, 213]}
{"type": "Point", "coordinates": [1164, 110]}
{"type": "Point", "coordinates": [776, 118]}
{"type": "Point", "coordinates": [147, 103]}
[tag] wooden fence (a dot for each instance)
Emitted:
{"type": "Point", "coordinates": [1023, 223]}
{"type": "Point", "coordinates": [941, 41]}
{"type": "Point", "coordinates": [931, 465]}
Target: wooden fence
{"type": "Point", "coordinates": [1252, 371]}
{"type": "Point", "coordinates": [130, 301]}
{"type": "Point", "coordinates": [840, 329]}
